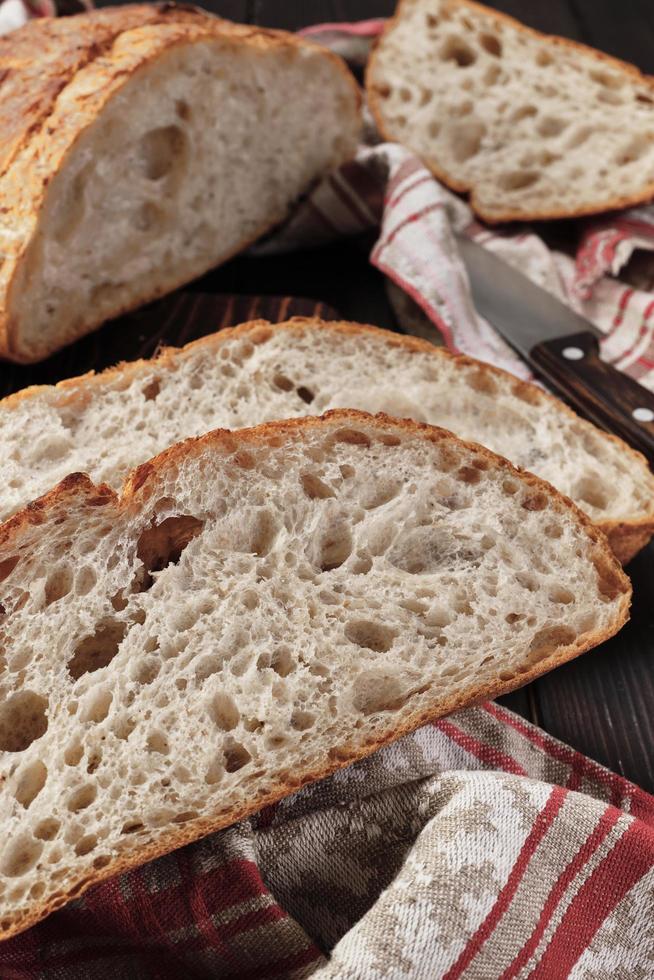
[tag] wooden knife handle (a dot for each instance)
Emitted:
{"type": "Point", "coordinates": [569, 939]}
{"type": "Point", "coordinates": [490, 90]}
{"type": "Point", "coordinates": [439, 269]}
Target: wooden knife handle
{"type": "Point", "coordinates": [603, 394]}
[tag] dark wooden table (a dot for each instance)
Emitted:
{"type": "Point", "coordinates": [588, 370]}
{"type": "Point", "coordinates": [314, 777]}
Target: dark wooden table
{"type": "Point", "coordinates": [603, 703]}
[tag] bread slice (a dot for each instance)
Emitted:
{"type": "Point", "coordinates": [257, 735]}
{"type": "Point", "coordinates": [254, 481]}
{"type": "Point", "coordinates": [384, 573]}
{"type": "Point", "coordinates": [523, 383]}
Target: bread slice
{"type": "Point", "coordinates": [532, 126]}
{"type": "Point", "coordinates": [142, 145]}
{"type": "Point", "coordinates": [256, 610]}
{"type": "Point", "coordinates": [106, 424]}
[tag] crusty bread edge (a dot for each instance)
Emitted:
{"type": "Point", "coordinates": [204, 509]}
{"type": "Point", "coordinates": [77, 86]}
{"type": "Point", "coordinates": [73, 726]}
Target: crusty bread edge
{"type": "Point", "coordinates": [626, 536]}
{"type": "Point", "coordinates": [270, 433]}
{"type": "Point", "coordinates": [462, 187]}
{"type": "Point", "coordinates": [218, 30]}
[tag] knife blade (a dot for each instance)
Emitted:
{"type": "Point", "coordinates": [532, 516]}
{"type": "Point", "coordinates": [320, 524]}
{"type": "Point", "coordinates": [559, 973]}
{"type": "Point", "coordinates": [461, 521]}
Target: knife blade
{"type": "Point", "coordinates": [560, 345]}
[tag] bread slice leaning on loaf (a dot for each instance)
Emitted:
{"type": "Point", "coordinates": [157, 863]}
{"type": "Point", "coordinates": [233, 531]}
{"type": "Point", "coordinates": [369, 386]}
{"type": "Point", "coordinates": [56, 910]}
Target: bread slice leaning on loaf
{"type": "Point", "coordinates": [532, 126]}
{"type": "Point", "coordinates": [143, 145]}
{"type": "Point", "coordinates": [256, 610]}
{"type": "Point", "coordinates": [108, 423]}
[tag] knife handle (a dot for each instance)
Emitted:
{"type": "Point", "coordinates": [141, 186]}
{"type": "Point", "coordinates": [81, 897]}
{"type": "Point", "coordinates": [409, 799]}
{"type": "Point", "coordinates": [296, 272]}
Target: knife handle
{"type": "Point", "coordinates": [603, 394]}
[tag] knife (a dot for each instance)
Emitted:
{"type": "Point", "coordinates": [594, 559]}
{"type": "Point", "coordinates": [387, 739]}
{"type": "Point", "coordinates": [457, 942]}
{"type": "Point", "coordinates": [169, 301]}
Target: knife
{"type": "Point", "coordinates": [561, 346]}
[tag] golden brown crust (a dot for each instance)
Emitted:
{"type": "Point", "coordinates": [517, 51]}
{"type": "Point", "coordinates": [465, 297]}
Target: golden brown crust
{"type": "Point", "coordinates": [611, 581]}
{"type": "Point", "coordinates": [42, 115]}
{"type": "Point", "coordinates": [626, 536]}
{"type": "Point", "coordinates": [462, 187]}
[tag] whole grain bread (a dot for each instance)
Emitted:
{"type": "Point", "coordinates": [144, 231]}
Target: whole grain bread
{"type": "Point", "coordinates": [256, 610]}
{"type": "Point", "coordinates": [106, 424]}
{"type": "Point", "coordinates": [532, 126]}
{"type": "Point", "coordinates": [142, 145]}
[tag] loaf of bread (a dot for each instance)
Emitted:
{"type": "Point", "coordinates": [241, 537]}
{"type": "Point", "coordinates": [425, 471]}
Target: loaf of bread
{"type": "Point", "coordinates": [142, 145]}
{"type": "Point", "coordinates": [256, 610]}
{"type": "Point", "coordinates": [532, 126]}
{"type": "Point", "coordinates": [106, 424]}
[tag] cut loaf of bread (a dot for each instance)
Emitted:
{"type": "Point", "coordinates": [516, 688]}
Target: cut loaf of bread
{"type": "Point", "coordinates": [142, 145]}
{"type": "Point", "coordinates": [533, 126]}
{"type": "Point", "coordinates": [106, 424]}
{"type": "Point", "coordinates": [256, 610]}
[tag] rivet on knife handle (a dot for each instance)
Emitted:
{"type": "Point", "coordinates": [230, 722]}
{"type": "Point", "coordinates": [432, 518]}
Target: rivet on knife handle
{"type": "Point", "coordinates": [611, 399]}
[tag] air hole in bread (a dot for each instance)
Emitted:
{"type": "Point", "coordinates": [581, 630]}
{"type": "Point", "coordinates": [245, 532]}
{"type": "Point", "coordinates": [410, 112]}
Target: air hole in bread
{"type": "Point", "coordinates": [457, 50]}
{"type": "Point", "coordinates": [377, 494]}
{"type": "Point", "coordinates": [7, 566]}
{"type": "Point", "coordinates": [315, 488]}
{"type": "Point", "coordinates": [157, 742]}
{"type": "Point", "coordinates": [551, 126]}
{"type": "Point", "coordinates": [481, 381]}
{"type": "Point", "coordinates": [534, 501]}
{"type": "Point", "coordinates": [31, 781]}
{"type": "Point", "coordinates": [145, 671]}
{"type": "Point", "coordinates": [20, 855]}
{"type": "Point", "coordinates": [223, 711]}
{"type": "Point", "coordinates": [283, 383]}
{"type": "Point", "coordinates": [71, 208]}
{"type": "Point", "coordinates": [96, 705]}
{"type": "Point", "coordinates": [236, 755]}
{"type": "Point", "coordinates": [491, 44]}
{"type": "Point", "coordinates": [335, 546]}
{"type": "Point", "coordinates": [148, 217]}
{"type": "Point", "coordinates": [162, 150]}
{"type": "Point", "coordinates": [353, 437]}
{"type": "Point", "coordinates": [302, 720]}
{"type": "Point", "coordinates": [362, 565]}
{"type": "Point", "coordinates": [589, 490]}
{"type": "Point", "coordinates": [524, 112]}
{"type": "Point", "coordinates": [47, 829]}
{"type": "Point", "coordinates": [544, 59]}
{"type": "Point", "coordinates": [86, 844]}
{"type": "Point", "coordinates": [559, 594]}
{"type": "Point", "coordinates": [347, 471]}
{"type": "Point", "coordinates": [405, 94]}
{"type": "Point", "coordinates": [163, 544]}
{"type": "Point", "coordinates": [468, 474]}
{"type": "Point", "coordinates": [305, 394]}
{"type": "Point", "coordinates": [82, 797]}
{"type": "Point", "coordinates": [94, 759]}
{"type": "Point", "coordinates": [636, 148]}
{"type": "Point", "coordinates": [73, 753]}
{"type": "Point", "coordinates": [606, 78]}
{"type": "Point", "coordinates": [492, 75]}
{"type": "Point", "coordinates": [281, 661]}
{"type": "Point", "coordinates": [23, 720]}
{"type": "Point", "coordinates": [433, 129]}
{"type": "Point", "coordinates": [548, 639]}
{"type": "Point", "coordinates": [369, 635]}
{"type": "Point", "coordinates": [215, 772]}
{"type": "Point", "coordinates": [183, 110]}
{"type": "Point", "coordinates": [465, 139]}
{"type": "Point", "coordinates": [261, 534]}
{"type": "Point", "coordinates": [58, 584]}
{"type": "Point", "coordinates": [131, 827]}
{"type": "Point", "coordinates": [610, 96]}
{"type": "Point", "coordinates": [374, 691]}
{"type": "Point", "coordinates": [518, 180]}
{"type": "Point", "coordinates": [206, 667]}
{"type": "Point", "coordinates": [97, 650]}
{"type": "Point", "coordinates": [528, 581]}
{"type": "Point", "coordinates": [151, 390]}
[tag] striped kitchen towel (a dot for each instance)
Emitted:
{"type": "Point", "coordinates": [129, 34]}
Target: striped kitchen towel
{"type": "Point", "coordinates": [476, 847]}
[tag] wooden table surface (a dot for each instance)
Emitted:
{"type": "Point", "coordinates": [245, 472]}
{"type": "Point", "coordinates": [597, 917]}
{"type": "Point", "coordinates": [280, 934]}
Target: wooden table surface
{"type": "Point", "coordinates": [603, 703]}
